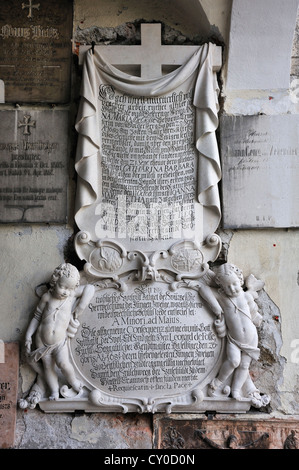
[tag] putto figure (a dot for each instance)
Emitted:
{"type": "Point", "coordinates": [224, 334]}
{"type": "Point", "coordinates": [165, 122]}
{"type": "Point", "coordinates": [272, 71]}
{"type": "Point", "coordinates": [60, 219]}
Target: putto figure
{"type": "Point", "coordinates": [55, 319]}
{"type": "Point", "coordinates": [238, 323]}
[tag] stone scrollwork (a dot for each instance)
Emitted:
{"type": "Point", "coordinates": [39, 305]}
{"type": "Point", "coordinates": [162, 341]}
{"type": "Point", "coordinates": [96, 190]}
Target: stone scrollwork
{"type": "Point", "coordinates": [108, 258]}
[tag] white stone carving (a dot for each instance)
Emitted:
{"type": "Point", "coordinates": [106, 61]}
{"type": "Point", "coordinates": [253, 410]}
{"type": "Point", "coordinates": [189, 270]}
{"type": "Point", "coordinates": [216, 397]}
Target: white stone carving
{"type": "Point", "coordinates": [237, 322]}
{"type": "Point", "coordinates": [147, 155]}
{"type": "Point", "coordinates": [148, 340]}
{"type": "Point", "coordinates": [108, 258]}
{"type": "Point", "coordinates": [54, 320]}
{"type": "Point", "coordinates": [150, 55]}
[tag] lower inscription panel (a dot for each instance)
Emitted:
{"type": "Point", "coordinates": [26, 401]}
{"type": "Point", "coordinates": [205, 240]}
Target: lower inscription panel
{"type": "Point", "coordinates": [146, 341]}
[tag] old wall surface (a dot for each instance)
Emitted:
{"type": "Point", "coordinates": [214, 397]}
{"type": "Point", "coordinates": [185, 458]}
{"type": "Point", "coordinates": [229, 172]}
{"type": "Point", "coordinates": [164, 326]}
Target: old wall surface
{"type": "Point", "coordinates": [30, 252]}
{"type": "Point", "coordinates": [271, 253]}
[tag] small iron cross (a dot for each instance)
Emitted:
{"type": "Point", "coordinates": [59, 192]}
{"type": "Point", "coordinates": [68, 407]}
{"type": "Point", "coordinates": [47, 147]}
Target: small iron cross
{"type": "Point", "coordinates": [30, 6]}
{"type": "Point", "coordinates": [26, 124]}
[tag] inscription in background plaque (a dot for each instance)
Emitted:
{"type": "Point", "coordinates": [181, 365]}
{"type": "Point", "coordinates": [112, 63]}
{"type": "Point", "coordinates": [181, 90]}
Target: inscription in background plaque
{"type": "Point", "coordinates": [35, 50]}
{"type": "Point", "coordinates": [260, 162]}
{"type": "Point", "coordinates": [9, 370]}
{"type": "Point", "coordinates": [33, 166]}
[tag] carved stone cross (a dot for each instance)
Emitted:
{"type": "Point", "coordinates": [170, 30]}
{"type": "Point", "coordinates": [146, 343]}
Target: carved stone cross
{"type": "Point", "coordinates": [151, 56]}
{"type": "Point", "coordinates": [26, 124]}
{"type": "Point", "coordinates": [30, 6]}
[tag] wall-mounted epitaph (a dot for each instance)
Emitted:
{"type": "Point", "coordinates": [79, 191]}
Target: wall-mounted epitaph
{"type": "Point", "coordinates": [158, 167]}
{"type": "Point", "coordinates": [145, 326]}
{"type": "Point", "coordinates": [147, 153]}
{"type": "Point", "coordinates": [35, 50]}
{"type": "Point", "coordinates": [151, 341]}
{"type": "Point", "coordinates": [260, 161]}
{"type": "Point", "coordinates": [9, 372]}
{"type": "Point", "coordinates": [33, 166]}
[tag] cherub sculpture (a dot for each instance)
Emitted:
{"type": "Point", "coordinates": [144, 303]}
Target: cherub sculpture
{"type": "Point", "coordinates": [55, 319]}
{"type": "Point", "coordinates": [238, 322]}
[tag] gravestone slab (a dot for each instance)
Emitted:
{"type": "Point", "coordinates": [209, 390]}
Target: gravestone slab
{"type": "Point", "coordinates": [148, 182]}
{"type": "Point", "coordinates": [260, 163]}
{"type": "Point", "coordinates": [9, 372]}
{"type": "Point", "coordinates": [35, 50]}
{"type": "Point", "coordinates": [147, 321]}
{"type": "Point", "coordinates": [33, 166]}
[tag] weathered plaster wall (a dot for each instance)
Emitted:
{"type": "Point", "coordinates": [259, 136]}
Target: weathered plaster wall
{"type": "Point", "coordinates": [91, 431]}
{"type": "Point", "coordinates": [27, 259]}
{"type": "Point", "coordinates": [253, 85]}
{"type": "Point", "coordinates": [272, 255]}
{"type": "Point", "coordinates": [257, 71]}
{"type": "Point", "coordinates": [186, 16]}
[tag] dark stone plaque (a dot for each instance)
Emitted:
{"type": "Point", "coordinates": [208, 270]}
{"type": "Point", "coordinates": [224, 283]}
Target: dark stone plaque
{"type": "Point", "coordinates": [9, 371]}
{"type": "Point", "coordinates": [33, 166]}
{"type": "Point", "coordinates": [35, 50]}
{"type": "Point", "coordinates": [224, 432]}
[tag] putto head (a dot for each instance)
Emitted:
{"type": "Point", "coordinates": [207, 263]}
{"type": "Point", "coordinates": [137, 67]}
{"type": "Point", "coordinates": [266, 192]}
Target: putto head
{"type": "Point", "coordinates": [65, 270]}
{"type": "Point", "coordinates": [225, 271]}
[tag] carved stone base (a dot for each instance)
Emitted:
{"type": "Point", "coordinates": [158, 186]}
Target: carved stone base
{"type": "Point", "coordinates": [63, 405]}
{"type": "Point", "coordinates": [149, 341]}
{"type": "Point", "coordinates": [210, 431]}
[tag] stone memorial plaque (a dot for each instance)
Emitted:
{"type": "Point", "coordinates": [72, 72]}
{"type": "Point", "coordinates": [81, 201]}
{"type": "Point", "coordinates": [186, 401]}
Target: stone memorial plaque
{"type": "Point", "coordinates": [35, 50]}
{"type": "Point", "coordinates": [146, 323]}
{"type": "Point", "coordinates": [33, 166]}
{"type": "Point", "coordinates": [147, 343]}
{"type": "Point", "coordinates": [9, 372]}
{"type": "Point", "coordinates": [260, 160]}
{"type": "Point", "coordinates": [147, 154]}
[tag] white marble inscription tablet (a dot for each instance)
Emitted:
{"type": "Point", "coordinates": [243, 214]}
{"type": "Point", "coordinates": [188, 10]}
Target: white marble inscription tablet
{"type": "Point", "coordinates": [260, 161]}
{"type": "Point", "coordinates": [146, 343]}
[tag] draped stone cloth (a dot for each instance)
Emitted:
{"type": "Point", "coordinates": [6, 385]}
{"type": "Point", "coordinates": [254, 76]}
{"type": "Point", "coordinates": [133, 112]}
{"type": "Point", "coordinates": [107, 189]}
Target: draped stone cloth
{"type": "Point", "coordinates": [197, 70]}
